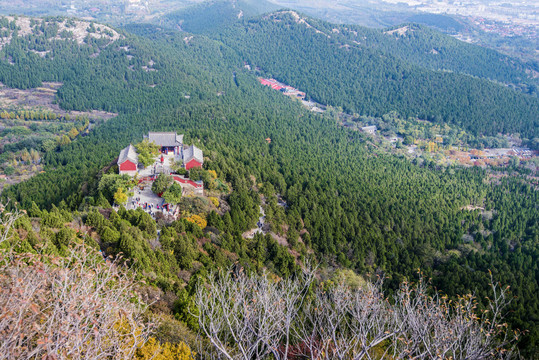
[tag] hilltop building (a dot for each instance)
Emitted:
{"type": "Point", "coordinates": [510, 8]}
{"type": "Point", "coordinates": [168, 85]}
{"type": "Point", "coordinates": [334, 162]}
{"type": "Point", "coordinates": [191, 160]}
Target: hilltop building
{"type": "Point", "coordinates": [168, 141]}
{"type": "Point", "coordinates": [128, 161]}
{"type": "Point", "coordinates": [192, 157]}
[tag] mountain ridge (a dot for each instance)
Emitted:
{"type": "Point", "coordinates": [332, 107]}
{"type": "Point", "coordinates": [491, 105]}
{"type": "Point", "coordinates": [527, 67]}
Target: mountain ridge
{"type": "Point", "coordinates": [212, 15]}
{"type": "Point", "coordinates": [349, 204]}
{"type": "Point", "coordinates": [367, 78]}
{"type": "Point", "coordinates": [420, 45]}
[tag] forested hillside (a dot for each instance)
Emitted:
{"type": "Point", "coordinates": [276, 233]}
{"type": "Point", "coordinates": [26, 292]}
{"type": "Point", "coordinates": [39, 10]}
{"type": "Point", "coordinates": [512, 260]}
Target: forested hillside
{"type": "Point", "coordinates": [412, 43]}
{"type": "Point", "coordinates": [420, 45]}
{"type": "Point", "coordinates": [213, 15]}
{"type": "Point", "coordinates": [354, 206]}
{"type": "Point", "coordinates": [374, 80]}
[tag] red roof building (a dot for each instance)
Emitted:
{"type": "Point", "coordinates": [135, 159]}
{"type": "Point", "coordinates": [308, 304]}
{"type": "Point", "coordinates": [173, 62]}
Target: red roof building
{"type": "Point", "coordinates": [274, 84]}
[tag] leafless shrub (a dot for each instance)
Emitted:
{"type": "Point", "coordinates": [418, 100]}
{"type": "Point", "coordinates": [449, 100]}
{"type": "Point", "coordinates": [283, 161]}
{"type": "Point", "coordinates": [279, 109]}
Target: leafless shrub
{"type": "Point", "coordinates": [71, 307]}
{"type": "Point", "coordinates": [341, 323]}
{"type": "Point", "coordinates": [7, 220]}
{"type": "Point", "coordinates": [252, 317]}
{"type": "Point", "coordinates": [254, 314]}
{"type": "Point", "coordinates": [435, 327]}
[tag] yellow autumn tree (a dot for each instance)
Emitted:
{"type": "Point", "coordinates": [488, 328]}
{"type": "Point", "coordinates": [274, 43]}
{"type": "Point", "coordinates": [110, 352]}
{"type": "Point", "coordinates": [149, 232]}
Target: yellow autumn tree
{"type": "Point", "coordinates": [213, 174]}
{"type": "Point", "coordinates": [214, 201]}
{"type": "Point", "coordinates": [64, 140]}
{"type": "Point", "coordinates": [155, 350]}
{"type": "Point", "coordinates": [25, 155]}
{"type": "Point", "coordinates": [34, 155]}
{"type": "Point", "coordinates": [120, 197]}
{"type": "Point", "coordinates": [199, 220]}
{"type": "Point", "coordinates": [73, 133]}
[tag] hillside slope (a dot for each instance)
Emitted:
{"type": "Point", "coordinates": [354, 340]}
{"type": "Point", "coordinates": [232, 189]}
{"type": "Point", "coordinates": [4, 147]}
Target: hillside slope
{"type": "Point", "coordinates": [212, 15]}
{"type": "Point", "coordinates": [121, 74]}
{"type": "Point", "coordinates": [368, 75]}
{"type": "Point", "coordinates": [412, 43]}
{"type": "Point", "coordinates": [349, 204]}
{"type": "Point", "coordinates": [425, 47]}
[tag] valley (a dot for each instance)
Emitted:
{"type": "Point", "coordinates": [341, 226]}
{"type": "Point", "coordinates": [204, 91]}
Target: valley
{"type": "Point", "coordinates": [33, 124]}
{"type": "Point", "coordinates": [225, 167]}
{"type": "Point", "coordinates": [422, 139]}
{"type": "Point", "coordinates": [507, 26]}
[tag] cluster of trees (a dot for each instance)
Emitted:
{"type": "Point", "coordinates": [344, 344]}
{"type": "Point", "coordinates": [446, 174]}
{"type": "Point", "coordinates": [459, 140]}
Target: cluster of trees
{"type": "Point", "coordinates": [20, 162]}
{"type": "Point", "coordinates": [100, 315]}
{"type": "Point", "coordinates": [209, 177]}
{"type": "Point", "coordinates": [16, 129]}
{"type": "Point", "coordinates": [45, 115]}
{"type": "Point", "coordinates": [354, 206]}
{"type": "Point", "coordinates": [166, 187]}
{"type": "Point", "coordinates": [114, 187]}
{"type": "Point", "coordinates": [28, 156]}
{"type": "Point", "coordinates": [413, 129]}
{"type": "Point", "coordinates": [20, 138]}
{"type": "Point", "coordinates": [162, 183]}
{"type": "Point", "coordinates": [173, 194]}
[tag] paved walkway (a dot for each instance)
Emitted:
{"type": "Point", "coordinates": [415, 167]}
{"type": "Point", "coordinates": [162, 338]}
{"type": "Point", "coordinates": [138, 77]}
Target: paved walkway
{"type": "Point", "coordinates": [260, 226]}
{"type": "Point", "coordinates": [158, 167]}
{"type": "Point", "coordinates": [148, 201]}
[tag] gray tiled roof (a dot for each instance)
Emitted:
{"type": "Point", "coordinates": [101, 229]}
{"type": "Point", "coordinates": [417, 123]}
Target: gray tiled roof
{"type": "Point", "coordinates": [168, 139]}
{"type": "Point", "coordinates": [369, 128]}
{"type": "Point", "coordinates": [192, 152]}
{"type": "Point", "coordinates": [129, 153]}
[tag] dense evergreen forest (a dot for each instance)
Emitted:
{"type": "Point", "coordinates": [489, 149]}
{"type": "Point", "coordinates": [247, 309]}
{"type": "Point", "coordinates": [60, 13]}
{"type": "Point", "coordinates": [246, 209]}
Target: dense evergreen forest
{"type": "Point", "coordinates": [211, 16]}
{"type": "Point", "coordinates": [374, 75]}
{"type": "Point", "coordinates": [412, 43]}
{"type": "Point", "coordinates": [353, 205]}
{"type": "Point", "coordinates": [422, 46]}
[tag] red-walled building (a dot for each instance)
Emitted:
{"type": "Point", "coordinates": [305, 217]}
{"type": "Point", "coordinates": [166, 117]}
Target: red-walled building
{"type": "Point", "coordinates": [192, 157]}
{"type": "Point", "coordinates": [128, 161]}
{"type": "Point", "coordinates": [170, 142]}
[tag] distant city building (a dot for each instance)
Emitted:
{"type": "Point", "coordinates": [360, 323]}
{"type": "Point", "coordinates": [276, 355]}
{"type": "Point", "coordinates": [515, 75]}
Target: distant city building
{"type": "Point", "coordinates": [369, 129]}
{"type": "Point", "coordinates": [128, 161]}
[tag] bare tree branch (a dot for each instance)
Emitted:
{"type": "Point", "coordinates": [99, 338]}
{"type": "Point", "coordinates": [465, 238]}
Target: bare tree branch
{"type": "Point", "coordinates": [251, 317]}
{"type": "Point", "coordinates": [71, 307]}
